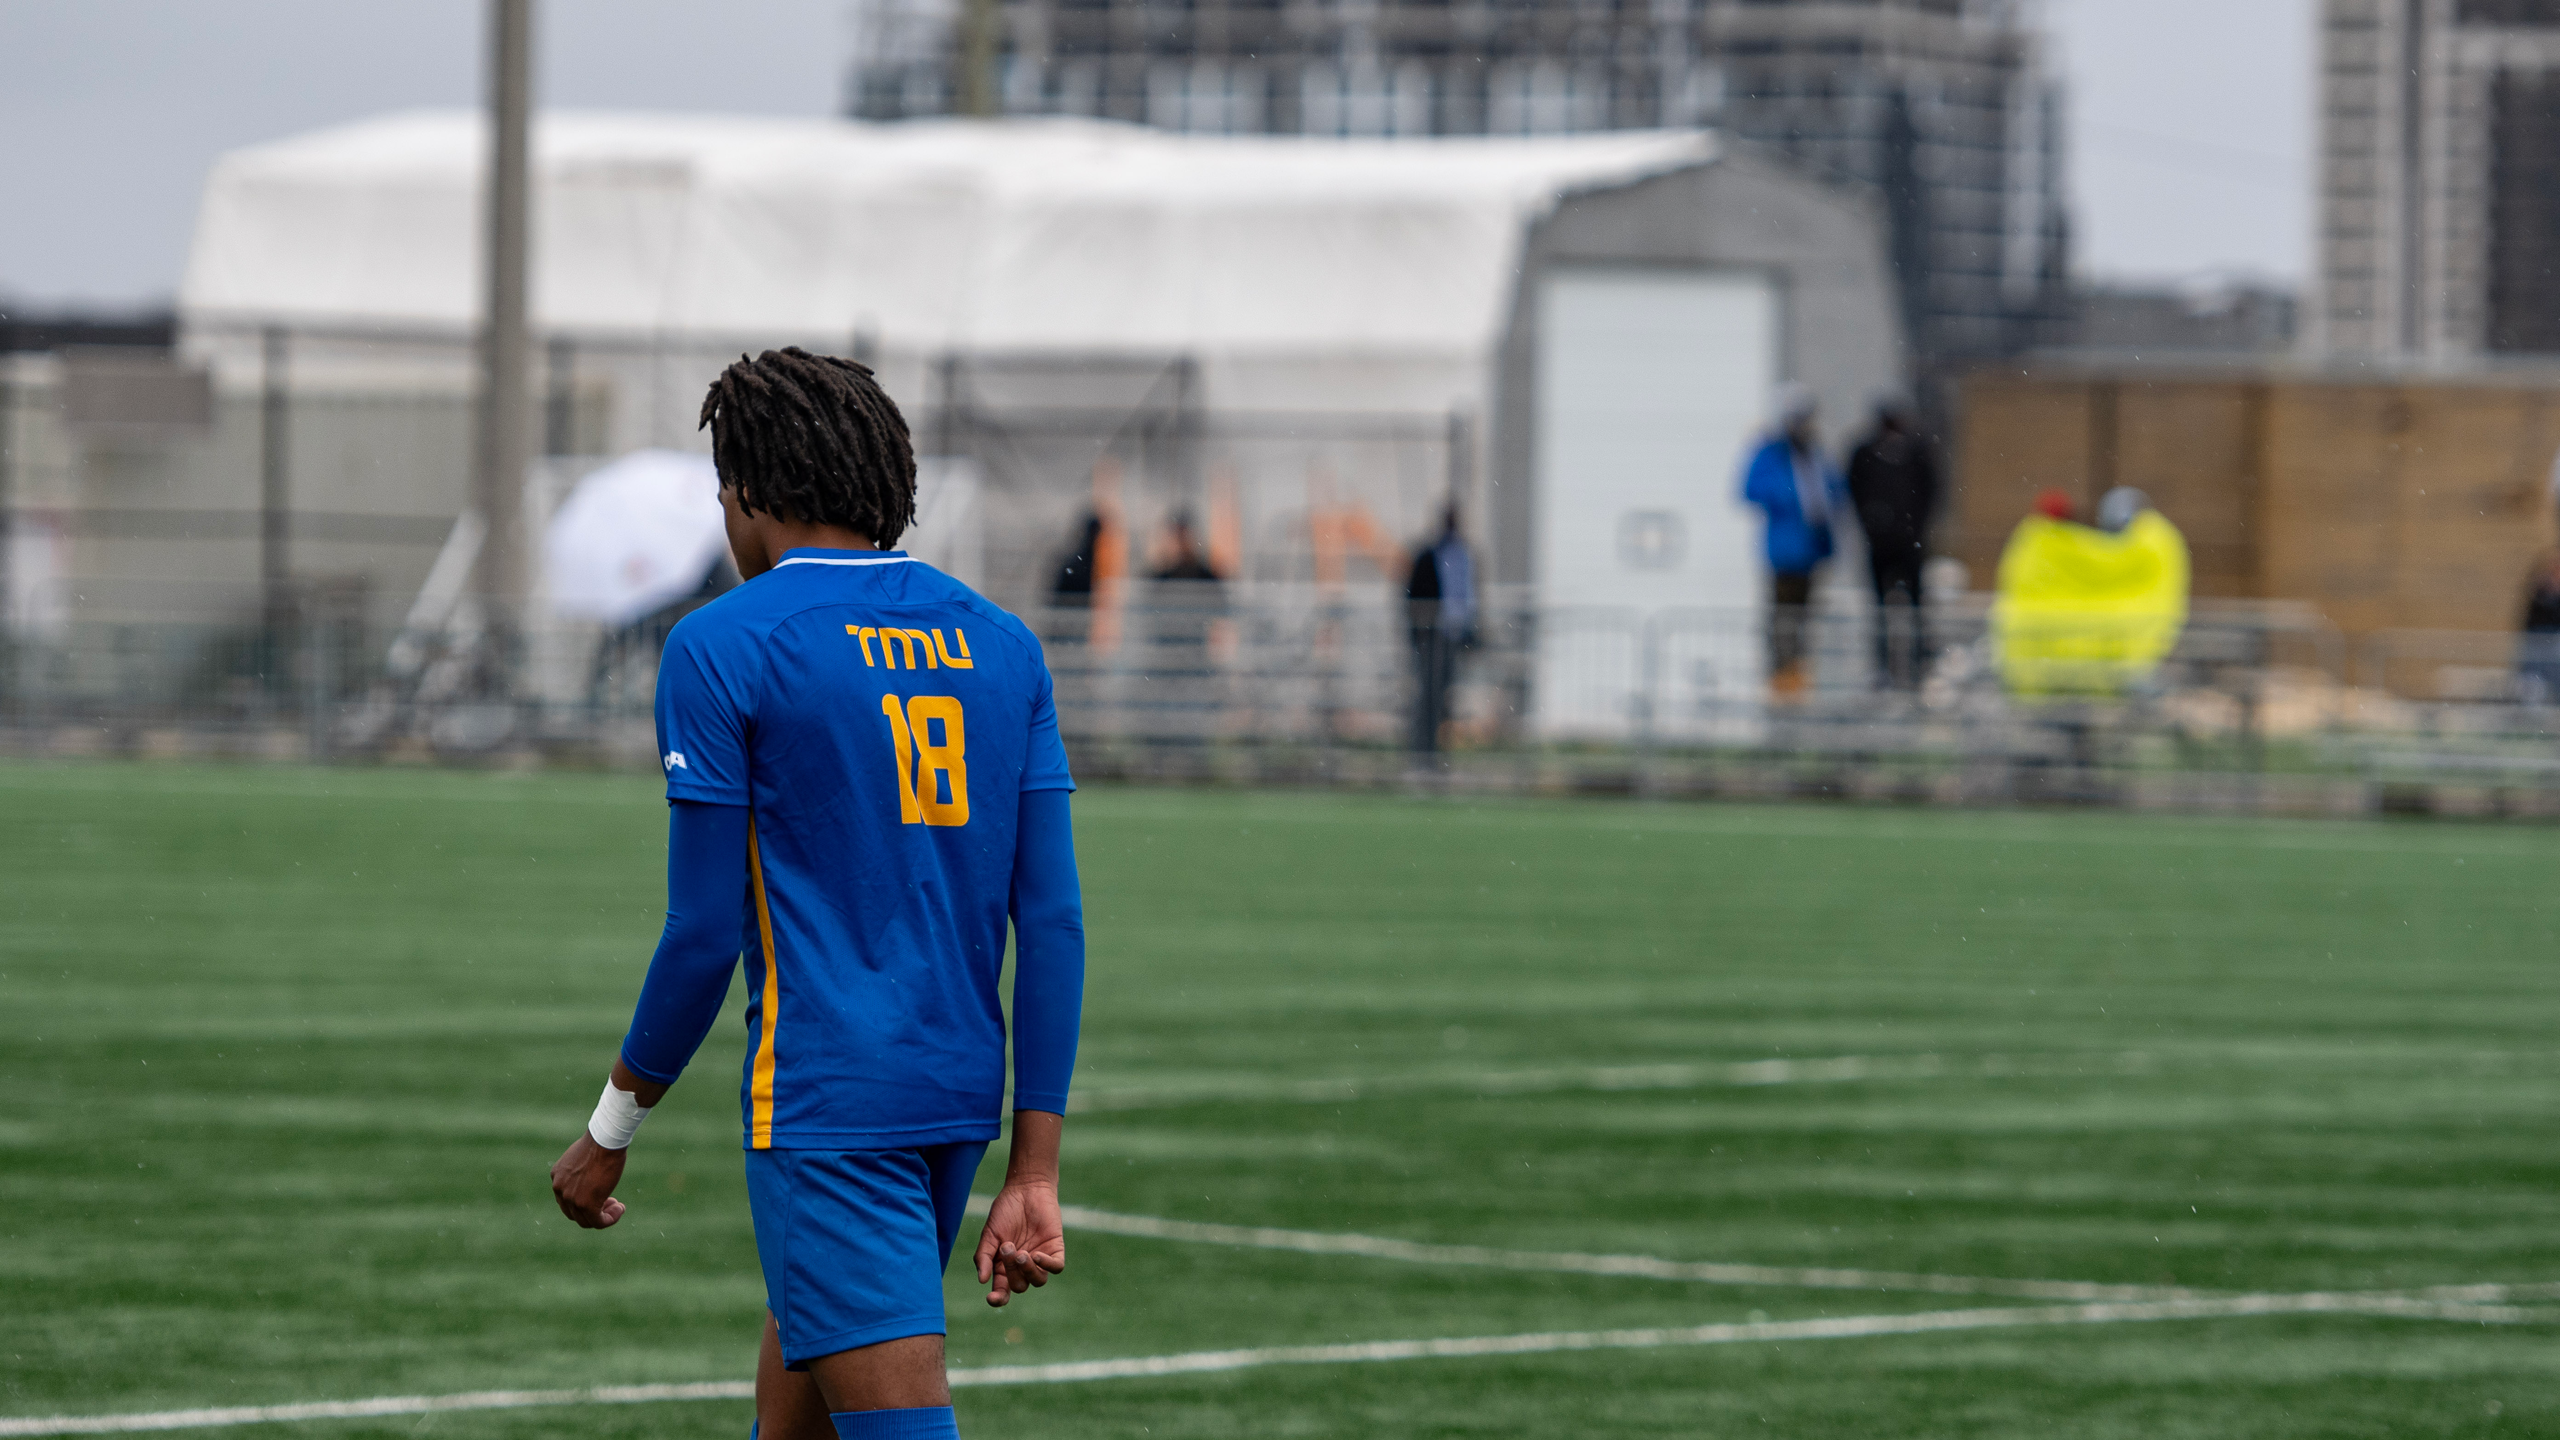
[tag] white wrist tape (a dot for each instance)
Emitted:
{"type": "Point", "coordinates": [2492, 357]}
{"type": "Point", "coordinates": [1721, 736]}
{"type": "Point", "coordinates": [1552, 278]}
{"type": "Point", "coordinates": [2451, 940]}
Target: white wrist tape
{"type": "Point", "coordinates": [617, 1118]}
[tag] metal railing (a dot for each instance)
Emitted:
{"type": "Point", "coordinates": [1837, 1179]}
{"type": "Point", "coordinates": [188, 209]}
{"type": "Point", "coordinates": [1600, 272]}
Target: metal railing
{"type": "Point", "coordinates": [1158, 673]}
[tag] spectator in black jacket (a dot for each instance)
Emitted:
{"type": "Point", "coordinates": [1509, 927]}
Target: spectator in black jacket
{"type": "Point", "coordinates": [1440, 614]}
{"type": "Point", "coordinates": [1893, 482]}
{"type": "Point", "coordinates": [1188, 563]}
{"type": "Point", "coordinates": [1072, 588]}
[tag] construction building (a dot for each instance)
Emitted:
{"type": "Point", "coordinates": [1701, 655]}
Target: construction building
{"type": "Point", "coordinates": [1942, 107]}
{"type": "Point", "coordinates": [2440, 179]}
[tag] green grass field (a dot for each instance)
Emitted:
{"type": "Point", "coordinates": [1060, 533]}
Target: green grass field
{"type": "Point", "coordinates": [287, 1054]}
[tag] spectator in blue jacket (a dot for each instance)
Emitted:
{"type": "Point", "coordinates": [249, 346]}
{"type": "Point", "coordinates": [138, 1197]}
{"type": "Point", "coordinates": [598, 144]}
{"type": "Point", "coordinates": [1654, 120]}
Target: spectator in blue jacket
{"type": "Point", "coordinates": [1797, 492]}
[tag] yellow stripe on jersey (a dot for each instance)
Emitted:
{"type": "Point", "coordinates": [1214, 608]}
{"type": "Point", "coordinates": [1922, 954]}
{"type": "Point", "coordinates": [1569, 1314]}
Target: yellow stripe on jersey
{"type": "Point", "coordinates": [760, 1088]}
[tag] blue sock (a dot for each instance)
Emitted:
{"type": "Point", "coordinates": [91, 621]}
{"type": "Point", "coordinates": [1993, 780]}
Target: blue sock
{"type": "Point", "coordinates": [934, 1422]}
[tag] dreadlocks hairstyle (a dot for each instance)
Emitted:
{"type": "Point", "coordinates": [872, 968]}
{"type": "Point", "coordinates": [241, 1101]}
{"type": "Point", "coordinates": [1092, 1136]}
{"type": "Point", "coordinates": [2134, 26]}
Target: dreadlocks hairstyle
{"type": "Point", "coordinates": [813, 438]}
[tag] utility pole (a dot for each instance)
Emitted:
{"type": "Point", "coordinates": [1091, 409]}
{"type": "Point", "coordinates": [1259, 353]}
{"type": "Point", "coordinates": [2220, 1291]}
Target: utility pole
{"type": "Point", "coordinates": [1462, 466]}
{"type": "Point", "coordinates": [506, 403]}
{"type": "Point", "coordinates": [978, 20]}
{"type": "Point", "coordinates": [947, 420]}
{"type": "Point", "coordinates": [8, 533]}
{"type": "Point", "coordinates": [560, 417]}
{"type": "Point", "coordinates": [275, 493]}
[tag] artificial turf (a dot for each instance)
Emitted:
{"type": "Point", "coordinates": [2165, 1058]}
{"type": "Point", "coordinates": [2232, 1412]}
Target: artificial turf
{"type": "Point", "coordinates": [288, 1052]}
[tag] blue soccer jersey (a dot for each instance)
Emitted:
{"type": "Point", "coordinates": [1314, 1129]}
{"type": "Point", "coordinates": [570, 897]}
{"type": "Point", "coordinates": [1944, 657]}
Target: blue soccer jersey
{"type": "Point", "coordinates": [881, 721]}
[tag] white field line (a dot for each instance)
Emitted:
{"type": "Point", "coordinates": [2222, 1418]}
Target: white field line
{"type": "Point", "coordinates": [369, 1409]}
{"type": "Point", "coordinates": [1466, 1347]}
{"type": "Point", "coordinates": [1704, 1272]}
{"type": "Point", "coordinates": [1635, 1267]}
{"type": "Point", "coordinates": [1834, 1070]}
{"type": "Point", "coordinates": [2481, 1294]}
{"type": "Point", "coordinates": [1836, 1328]}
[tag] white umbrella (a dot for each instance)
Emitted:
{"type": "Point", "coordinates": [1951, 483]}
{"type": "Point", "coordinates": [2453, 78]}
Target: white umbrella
{"type": "Point", "coordinates": [635, 536]}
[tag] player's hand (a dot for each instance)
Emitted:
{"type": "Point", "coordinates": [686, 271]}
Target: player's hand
{"type": "Point", "coordinates": [1024, 1242]}
{"type": "Point", "coordinates": [582, 1180]}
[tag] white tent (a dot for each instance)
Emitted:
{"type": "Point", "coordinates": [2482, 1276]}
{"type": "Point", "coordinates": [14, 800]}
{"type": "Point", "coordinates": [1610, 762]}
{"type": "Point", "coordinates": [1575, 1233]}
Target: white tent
{"type": "Point", "coordinates": [1054, 235]}
{"type": "Point", "coordinates": [1585, 326]}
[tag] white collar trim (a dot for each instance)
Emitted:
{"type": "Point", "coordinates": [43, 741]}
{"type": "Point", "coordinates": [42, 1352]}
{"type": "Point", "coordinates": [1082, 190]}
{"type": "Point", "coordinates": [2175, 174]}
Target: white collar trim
{"type": "Point", "coordinates": [842, 560]}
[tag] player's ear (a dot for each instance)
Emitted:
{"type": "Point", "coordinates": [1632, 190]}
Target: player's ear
{"type": "Point", "coordinates": [746, 549]}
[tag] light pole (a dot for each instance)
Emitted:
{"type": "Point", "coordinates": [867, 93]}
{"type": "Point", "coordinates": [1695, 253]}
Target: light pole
{"type": "Point", "coordinates": [275, 495]}
{"type": "Point", "coordinates": [978, 22]}
{"type": "Point", "coordinates": [506, 407]}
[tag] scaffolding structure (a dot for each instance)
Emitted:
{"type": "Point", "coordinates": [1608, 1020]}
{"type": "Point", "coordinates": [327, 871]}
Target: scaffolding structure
{"type": "Point", "coordinates": [1944, 108]}
{"type": "Point", "coordinates": [2439, 179]}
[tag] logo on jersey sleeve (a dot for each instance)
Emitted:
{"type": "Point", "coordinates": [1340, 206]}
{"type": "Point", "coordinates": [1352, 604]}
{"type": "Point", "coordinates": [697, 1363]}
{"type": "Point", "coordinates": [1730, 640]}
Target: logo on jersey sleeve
{"type": "Point", "coordinates": [675, 760]}
{"type": "Point", "coordinates": [900, 649]}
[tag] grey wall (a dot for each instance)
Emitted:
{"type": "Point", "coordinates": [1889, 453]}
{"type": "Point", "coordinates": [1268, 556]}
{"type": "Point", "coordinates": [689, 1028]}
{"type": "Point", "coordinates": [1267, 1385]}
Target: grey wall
{"type": "Point", "coordinates": [1822, 245]}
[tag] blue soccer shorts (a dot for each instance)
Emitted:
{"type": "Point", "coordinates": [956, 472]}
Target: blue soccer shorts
{"type": "Point", "coordinates": [854, 1242]}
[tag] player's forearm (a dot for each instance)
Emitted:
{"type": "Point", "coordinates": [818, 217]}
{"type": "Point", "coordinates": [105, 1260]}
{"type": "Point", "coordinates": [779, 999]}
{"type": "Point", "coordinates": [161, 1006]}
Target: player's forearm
{"type": "Point", "coordinates": [689, 976]}
{"type": "Point", "coordinates": [646, 1091]}
{"type": "Point", "coordinates": [1048, 961]}
{"type": "Point", "coordinates": [1034, 1160]}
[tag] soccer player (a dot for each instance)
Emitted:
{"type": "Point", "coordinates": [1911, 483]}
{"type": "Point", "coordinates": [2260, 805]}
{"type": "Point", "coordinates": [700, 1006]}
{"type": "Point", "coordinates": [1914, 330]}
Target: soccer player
{"type": "Point", "coordinates": [865, 781]}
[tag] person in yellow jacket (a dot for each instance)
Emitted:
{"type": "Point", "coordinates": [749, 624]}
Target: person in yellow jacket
{"type": "Point", "coordinates": [2090, 610]}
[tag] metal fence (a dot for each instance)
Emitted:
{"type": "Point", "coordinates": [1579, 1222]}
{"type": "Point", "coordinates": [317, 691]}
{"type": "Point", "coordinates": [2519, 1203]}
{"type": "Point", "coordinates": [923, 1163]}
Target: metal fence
{"type": "Point", "coordinates": [1305, 680]}
{"type": "Point", "coordinates": [342, 458]}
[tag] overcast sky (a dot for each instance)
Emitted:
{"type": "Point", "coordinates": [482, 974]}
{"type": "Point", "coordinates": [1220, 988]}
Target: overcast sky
{"type": "Point", "coordinates": [2192, 134]}
{"type": "Point", "coordinates": [2190, 119]}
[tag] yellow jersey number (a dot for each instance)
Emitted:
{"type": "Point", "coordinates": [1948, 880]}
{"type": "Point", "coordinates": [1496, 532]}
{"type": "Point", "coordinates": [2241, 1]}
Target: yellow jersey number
{"type": "Point", "coordinates": [930, 749]}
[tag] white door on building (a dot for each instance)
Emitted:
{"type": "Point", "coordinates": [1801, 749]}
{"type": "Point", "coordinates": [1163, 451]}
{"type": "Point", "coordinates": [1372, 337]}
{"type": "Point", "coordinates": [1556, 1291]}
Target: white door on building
{"type": "Point", "coordinates": [1651, 383]}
